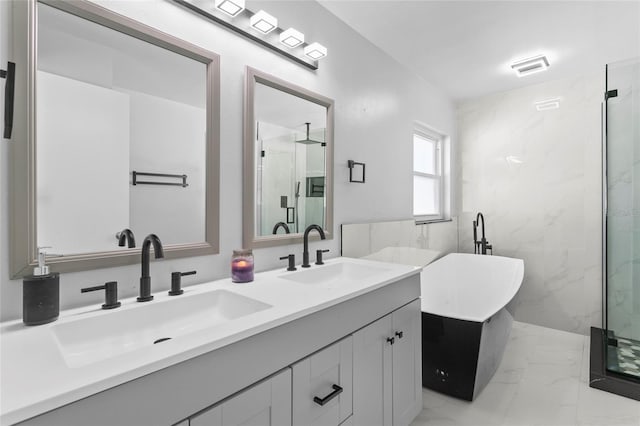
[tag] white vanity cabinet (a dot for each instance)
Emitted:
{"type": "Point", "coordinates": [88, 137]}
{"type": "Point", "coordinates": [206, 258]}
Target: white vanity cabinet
{"type": "Point", "coordinates": [267, 403]}
{"type": "Point", "coordinates": [322, 386]}
{"type": "Point", "coordinates": [387, 369]}
{"type": "Point", "coordinates": [272, 377]}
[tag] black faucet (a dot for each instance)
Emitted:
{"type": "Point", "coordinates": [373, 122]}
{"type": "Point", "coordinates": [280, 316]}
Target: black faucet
{"type": "Point", "coordinates": [480, 247]}
{"type": "Point", "coordinates": [126, 235]}
{"type": "Point", "coordinates": [145, 279]}
{"type": "Point", "coordinates": [305, 252]}
{"type": "Point", "coordinates": [281, 225]}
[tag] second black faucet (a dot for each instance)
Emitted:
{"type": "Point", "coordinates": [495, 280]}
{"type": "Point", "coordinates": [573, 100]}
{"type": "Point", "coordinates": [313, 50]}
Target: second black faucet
{"type": "Point", "coordinates": [145, 279]}
{"type": "Point", "coordinates": [305, 240]}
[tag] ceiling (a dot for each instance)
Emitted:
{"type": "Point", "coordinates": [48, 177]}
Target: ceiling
{"type": "Point", "coordinates": [465, 47]}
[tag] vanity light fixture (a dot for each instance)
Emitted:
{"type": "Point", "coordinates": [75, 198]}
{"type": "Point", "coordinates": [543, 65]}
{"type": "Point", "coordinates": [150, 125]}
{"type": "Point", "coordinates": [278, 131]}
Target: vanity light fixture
{"type": "Point", "coordinates": [230, 7]}
{"type": "Point", "coordinates": [263, 22]}
{"type": "Point", "coordinates": [261, 27]}
{"type": "Point", "coordinates": [528, 66]}
{"type": "Point", "coordinates": [291, 37]}
{"type": "Point", "coordinates": [548, 104]}
{"type": "Point", "coordinates": [315, 51]}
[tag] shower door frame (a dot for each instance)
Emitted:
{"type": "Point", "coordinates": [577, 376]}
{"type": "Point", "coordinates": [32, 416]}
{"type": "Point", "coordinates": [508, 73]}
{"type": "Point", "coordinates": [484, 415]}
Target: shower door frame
{"type": "Point", "coordinates": [599, 375]}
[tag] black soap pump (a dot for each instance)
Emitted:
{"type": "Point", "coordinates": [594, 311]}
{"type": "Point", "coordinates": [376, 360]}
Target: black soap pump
{"type": "Point", "coordinates": [41, 294]}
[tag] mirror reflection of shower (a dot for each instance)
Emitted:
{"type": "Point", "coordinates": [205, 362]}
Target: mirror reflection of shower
{"type": "Point", "coordinates": [291, 176]}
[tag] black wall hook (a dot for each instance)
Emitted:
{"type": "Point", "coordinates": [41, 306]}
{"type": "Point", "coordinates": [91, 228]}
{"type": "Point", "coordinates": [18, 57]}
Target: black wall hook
{"type": "Point", "coordinates": [10, 75]}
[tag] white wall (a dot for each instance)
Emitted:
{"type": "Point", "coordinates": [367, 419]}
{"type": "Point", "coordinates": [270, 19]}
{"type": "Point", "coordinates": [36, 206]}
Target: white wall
{"type": "Point", "coordinates": [5, 286]}
{"type": "Point", "coordinates": [545, 209]}
{"type": "Point", "coordinates": [376, 101]}
{"type": "Point", "coordinates": [81, 120]}
{"type": "Point", "coordinates": [173, 145]}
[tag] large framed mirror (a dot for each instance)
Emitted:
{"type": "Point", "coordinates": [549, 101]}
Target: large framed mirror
{"type": "Point", "coordinates": [288, 161]}
{"type": "Point", "coordinates": [121, 136]}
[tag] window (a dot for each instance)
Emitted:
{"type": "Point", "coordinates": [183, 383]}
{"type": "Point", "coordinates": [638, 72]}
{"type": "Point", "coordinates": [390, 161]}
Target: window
{"type": "Point", "coordinates": [428, 177]}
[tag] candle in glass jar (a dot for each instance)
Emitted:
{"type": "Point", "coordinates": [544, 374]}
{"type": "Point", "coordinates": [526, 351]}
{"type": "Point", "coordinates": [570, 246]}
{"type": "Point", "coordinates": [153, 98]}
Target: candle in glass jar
{"type": "Point", "coordinates": [242, 266]}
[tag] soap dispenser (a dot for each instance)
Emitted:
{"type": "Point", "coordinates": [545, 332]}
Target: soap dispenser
{"type": "Point", "coordinates": [41, 294]}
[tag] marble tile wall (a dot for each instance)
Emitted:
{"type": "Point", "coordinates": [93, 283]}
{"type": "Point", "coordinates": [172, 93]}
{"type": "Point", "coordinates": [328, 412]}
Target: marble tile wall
{"type": "Point", "coordinates": [623, 221]}
{"type": "Point", "coordinates": [440, 236]}
{"type": "Point", "coordinates": [536, 176]}
{"type": "Point", "coordinates": [362, 239]}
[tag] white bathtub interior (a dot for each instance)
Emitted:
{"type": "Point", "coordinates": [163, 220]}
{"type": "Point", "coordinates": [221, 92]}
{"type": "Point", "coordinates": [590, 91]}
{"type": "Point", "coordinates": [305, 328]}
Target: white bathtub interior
{"type": "Point", "coordinates": [470, 287]}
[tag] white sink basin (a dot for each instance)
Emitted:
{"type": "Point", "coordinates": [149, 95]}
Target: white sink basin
{"type": "Point", "coordinates": [335, 272]}
{"type": "Point", "coordinates": [88, 340]}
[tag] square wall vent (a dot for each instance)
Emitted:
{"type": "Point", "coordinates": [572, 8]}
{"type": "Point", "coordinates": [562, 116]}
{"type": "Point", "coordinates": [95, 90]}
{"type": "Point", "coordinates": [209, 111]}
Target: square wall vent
{"type": "Point", "coordinates": [530, 65]}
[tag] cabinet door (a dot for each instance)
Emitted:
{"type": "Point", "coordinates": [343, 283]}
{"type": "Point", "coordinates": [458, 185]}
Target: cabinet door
{"type": "Point", "coordinates": [267, 403]}
{"type": "Point", "coordinates": [372, 368]}
{"type": "Point", "coordinates": [407, 363]}
{"type": "Point", "coordinates": [324, 376]}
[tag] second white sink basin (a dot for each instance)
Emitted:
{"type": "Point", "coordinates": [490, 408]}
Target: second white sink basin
{"type": "Point", "coordinates": [88, 340]}
{"type": "Point", "coordinates": [335, 272]}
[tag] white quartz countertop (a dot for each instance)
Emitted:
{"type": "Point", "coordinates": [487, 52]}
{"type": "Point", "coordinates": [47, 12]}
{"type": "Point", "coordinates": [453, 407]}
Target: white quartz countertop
{"type": "Point", "coordinates": [36, 377]}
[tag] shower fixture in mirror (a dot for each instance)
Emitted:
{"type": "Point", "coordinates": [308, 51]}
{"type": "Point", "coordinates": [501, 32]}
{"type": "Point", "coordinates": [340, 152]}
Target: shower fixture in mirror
{"type": "Point", "coordinates": [117, 117]}
{"type": "Point", "coordinates": [288, 161]}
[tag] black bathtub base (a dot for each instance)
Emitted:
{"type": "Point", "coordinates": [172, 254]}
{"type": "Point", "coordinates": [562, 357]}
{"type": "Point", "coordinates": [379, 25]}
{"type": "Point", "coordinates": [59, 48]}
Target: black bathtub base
{"type": "Point", "coordinates": [459, 357]}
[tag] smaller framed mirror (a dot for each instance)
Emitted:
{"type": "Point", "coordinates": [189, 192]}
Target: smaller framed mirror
{"type": "Point", "coordinates": [288, 161]}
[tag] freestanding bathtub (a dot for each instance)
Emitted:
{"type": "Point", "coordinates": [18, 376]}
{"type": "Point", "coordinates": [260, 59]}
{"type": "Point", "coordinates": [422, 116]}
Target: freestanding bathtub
{"type": "Point", "coordinates": [465, 325]}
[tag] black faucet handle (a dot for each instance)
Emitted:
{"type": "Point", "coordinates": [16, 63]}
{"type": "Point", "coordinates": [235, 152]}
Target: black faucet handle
{"type": "Point", "coordinates": [319, 256]}
{"type": "Point", "coordinates": [176, 282]}
{"type": "Point", "coordinates": [292, 261]}
{"type": "Point", "coordinates": [110, 294]}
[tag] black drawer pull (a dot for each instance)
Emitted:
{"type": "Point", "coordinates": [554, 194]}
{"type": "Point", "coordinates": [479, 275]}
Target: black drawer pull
{"type": "Point", "coordinates": [337, 390]}
{"type": "Point", "coordinates": [391, 340]}
{"type": "Point", "coordinates": [399, 334]}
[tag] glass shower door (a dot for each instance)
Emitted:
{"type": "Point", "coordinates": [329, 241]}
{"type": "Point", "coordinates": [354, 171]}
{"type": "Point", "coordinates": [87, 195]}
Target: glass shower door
{"type": "Point", "coordinates": [623, 217]}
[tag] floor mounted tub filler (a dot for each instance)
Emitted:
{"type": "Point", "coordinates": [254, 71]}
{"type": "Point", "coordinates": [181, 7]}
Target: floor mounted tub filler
{"type": "Point", "coordinates": [465, 323]}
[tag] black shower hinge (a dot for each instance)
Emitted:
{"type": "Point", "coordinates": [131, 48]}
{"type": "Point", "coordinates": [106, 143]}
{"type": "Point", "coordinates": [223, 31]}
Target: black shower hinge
{"type": "Point", "coordinates": [262, 153]}
{"type": "Point", "coordinates": [611, 94]}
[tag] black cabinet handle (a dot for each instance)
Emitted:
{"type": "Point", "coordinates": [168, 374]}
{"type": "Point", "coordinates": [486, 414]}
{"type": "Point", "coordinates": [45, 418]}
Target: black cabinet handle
{"type": "Point", "coordinates": [337, 390]}
{"type": "Point", "coordinates": [399, 334]}
{"type": "Point", "coordinates": [391, 340]}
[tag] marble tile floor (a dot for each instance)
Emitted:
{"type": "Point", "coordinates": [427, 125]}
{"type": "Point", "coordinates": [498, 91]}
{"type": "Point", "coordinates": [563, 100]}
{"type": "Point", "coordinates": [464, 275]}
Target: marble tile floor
{"type": "Point", "coordinates": [542, 381]}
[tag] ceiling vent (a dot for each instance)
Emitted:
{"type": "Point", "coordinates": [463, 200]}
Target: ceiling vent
{"type": "Point", "coordinates": [548, 104]}
{"type": "Point", "coordinates": [530, 65]}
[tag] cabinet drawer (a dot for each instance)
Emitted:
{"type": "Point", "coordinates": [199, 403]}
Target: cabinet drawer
{"type": "Point", "coordinates": [322, 386]}
{"type": "Point", "coordinates": [267, 403]}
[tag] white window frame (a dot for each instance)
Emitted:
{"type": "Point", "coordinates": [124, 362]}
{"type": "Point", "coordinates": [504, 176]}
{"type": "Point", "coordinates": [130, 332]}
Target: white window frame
{"type": "Point", "coordinates": [440, 140]}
